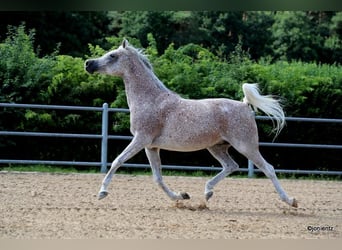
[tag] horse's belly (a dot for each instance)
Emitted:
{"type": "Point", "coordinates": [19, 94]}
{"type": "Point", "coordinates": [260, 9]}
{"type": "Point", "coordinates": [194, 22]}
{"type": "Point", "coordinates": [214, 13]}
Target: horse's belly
{"type": "Point", "coordinates": [186, 142]}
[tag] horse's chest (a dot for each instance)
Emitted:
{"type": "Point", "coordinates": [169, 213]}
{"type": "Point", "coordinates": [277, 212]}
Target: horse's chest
{"type": "Point", "coordinates": [145, 122]}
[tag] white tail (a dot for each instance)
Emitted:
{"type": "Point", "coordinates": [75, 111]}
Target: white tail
{"type": "Point", "coordinates": [266, 103]}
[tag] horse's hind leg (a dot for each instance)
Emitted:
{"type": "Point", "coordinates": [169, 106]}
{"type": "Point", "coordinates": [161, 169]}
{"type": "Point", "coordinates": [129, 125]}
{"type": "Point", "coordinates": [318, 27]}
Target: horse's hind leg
{"type": "Point", "coordinates": [252, 152]}
{"type": "Point", "coordinates": [220, 152]}
{"type": "Point", "coordinates": [268, 169]}
{"type": "Point", "coordinates": [154, 159]}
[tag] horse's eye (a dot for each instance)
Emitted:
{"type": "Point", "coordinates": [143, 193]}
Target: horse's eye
{"type": "Point", "coordinates": [112, 55]}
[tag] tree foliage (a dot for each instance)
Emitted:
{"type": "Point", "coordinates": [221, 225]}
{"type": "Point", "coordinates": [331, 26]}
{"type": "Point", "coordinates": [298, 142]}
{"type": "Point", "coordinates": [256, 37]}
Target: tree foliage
{"type": "Point", "coordinates": [287, 35]}
{"type": "Point", "coordinates": [70, 32]}
{"type": "Point", "coordinates": [290, 35]}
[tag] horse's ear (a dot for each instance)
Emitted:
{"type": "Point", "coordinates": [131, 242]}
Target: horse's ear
{"type": "Point", "coordinates": [124, 43]}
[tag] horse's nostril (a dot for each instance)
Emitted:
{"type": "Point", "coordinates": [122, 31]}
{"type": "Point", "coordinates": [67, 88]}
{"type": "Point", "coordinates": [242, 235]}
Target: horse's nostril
{"type": "Point", "coordinates": [90, 66]}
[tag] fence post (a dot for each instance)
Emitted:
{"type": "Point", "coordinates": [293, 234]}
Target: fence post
{"type": "Point", "coordinates": [250, 169]}
{"type": "Point", "coordinates": [104, 142]}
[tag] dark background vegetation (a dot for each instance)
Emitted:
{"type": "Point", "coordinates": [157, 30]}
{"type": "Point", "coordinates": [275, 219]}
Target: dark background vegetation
{"type": "Point", "coordinates": [295, 55]}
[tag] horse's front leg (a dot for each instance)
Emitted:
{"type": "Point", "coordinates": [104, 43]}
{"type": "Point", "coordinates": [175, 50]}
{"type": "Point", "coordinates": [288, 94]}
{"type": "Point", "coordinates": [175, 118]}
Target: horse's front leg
{"type": "Point", "coordinates": [136, 145]}
{"type": "Point", "coordinates": [154, 159]}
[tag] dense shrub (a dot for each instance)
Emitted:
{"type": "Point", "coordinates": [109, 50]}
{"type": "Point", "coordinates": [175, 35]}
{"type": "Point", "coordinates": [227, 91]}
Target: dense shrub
{"type": "Point", "coordinates": [307, 89]}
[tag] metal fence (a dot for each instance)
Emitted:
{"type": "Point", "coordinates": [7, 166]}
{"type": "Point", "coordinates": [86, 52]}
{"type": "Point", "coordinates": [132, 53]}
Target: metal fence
{"type": "Point", "coordinates": [104, 137]}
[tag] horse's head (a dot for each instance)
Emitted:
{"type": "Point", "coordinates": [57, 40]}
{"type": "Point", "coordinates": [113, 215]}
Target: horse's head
{"type": "Point", "coordinates": [111, 63]}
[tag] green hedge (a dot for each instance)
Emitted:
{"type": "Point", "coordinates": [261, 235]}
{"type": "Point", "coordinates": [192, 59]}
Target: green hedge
{"type": "Point", "coordinates": [306, 89]}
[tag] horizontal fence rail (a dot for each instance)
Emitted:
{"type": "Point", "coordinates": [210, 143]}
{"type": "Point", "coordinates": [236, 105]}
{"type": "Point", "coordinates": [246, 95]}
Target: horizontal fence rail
{"type": "Point", "coordinates": [104, 136]}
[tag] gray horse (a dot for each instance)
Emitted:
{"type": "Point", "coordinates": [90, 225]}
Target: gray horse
{"type": "Point", "coordinates": [161, 119]}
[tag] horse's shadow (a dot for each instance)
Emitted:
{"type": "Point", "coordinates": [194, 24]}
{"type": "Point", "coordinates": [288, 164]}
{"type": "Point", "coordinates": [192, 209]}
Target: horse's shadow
{"type": "Point", "coordinates": [278, 211]}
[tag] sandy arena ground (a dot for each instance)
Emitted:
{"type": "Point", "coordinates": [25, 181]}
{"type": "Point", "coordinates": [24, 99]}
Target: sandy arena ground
{"type": "Point", "coordinates": [64, 206]}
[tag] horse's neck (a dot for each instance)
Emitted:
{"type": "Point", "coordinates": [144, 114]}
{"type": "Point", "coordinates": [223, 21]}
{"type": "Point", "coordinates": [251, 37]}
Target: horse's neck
{"type": "Point", "coordinates": [143, 87]}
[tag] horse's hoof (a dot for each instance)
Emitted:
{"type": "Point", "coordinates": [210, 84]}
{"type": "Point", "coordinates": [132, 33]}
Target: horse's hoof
{"type": "Point", "coordinates": [102, 195]}
{"type": "Point", "coordinates": [208, 195]}
{"type": "Point", "coordinates": [294, 203]}
{"type": "Point", "coordinates": [185, 196]}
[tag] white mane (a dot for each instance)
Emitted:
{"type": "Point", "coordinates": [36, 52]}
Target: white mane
{"type": "Point", "coordinates": [141, 55]}
{"type": "Point", "coordinates": [144, 58]}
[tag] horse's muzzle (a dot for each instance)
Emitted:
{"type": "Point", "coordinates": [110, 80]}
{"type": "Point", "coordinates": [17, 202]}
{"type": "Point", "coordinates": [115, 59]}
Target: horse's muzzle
{"type": "Point", "coordinates": [90, 66]}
